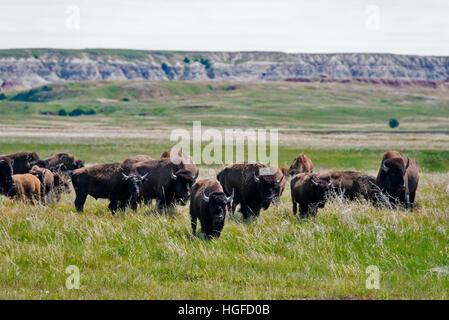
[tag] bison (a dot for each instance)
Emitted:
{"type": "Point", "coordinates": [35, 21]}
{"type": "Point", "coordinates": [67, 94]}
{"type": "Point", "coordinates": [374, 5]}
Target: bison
{"type": "Point", "coordinates": [25, 186]}
{"type": "Point", "coordinates": [167, 182]}
{"type": "Point", "coordinates": [63, 162]}
{"type": "Point", "coordinates": [46, 177]}
{"type": "Point", "coordinates": [22, 161]}
{"type": "Point", "coordinates": [208, 203]}
{"type": "Point", "coordinates": [177, 156]}
{"type": "Point", "coordinates": [280, 175]}
{"type": "Point", "coordinates": [255, 186]}
{"type": "Point", "coordinates": [60, 186]}
{"type": "Point", "coordinates": [310, 192]}
{"type": "Point", "coordinates": [301, 163]}
{"type": "Point", "coordinates": [120, 184]}
{"type": "Point", "coordinates": [133, 160]}
{"type": "Point", "coordinates": [398, 178]}
{"type": "Point", "coordinates": [353, 185]}
{"type": "Point", "coordinates": [6, 173]}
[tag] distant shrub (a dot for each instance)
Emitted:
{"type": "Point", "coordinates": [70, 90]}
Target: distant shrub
{"type": "Point", "coordinates": [89, 112]}
{"type": "Point", "coordinates": [46, 88]}
{"type": "Point", "coordinates": [125, 99]}
{"type": "Point", "coordinates": [2, 96]}
{"type": "Point", "coordinates": [76, 112]}
{"type": "Point", "coordinates": [186, 60]}
{"type": "Point", "coordinates": [394, 123]}
{"type": "Point", "coordinates": [62, 113]}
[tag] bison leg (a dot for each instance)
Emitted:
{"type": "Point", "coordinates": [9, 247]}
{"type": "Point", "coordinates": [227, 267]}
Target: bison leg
{"type": "Point", "coordinates": [113, 204]}
{"type": "Point", "coordinates": [246, 212]}
{"type": "Point", "coordinates": [295, 208]}
{"type": "Point", "coordinates": [193, 221]}
{"type": "Point", "coordinates": [79, 201]}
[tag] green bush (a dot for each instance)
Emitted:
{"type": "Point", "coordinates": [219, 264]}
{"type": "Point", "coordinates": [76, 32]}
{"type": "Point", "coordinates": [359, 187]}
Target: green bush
{"type": "Point", "coordinates": [394, 123]}
{"type": "Point", "coordinates": [2, 96]}
{"type": "Point", "coordinates": [62, 112]}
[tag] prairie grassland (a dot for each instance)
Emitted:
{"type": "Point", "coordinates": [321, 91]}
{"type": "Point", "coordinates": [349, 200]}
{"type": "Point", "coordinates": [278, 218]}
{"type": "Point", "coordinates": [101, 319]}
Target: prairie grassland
{"type": "Point", "coordinates": [145, 255]}
{"type": "Point", "coordinates": [278, 256]}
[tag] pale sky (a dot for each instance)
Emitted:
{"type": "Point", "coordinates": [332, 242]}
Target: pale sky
{"type": "Point", "coordinates": [313, 26]}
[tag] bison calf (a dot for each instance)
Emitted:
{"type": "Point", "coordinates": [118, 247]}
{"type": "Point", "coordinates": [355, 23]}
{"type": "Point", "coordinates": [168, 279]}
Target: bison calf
{"type": "Point", "coordinates": [309, 192]}
{"type": "Point", "coordinates": [27, 187]}
{"type": "Point", "coordinates": [208, 203]}
{"type": "Point", "coordinates": [300, 164]}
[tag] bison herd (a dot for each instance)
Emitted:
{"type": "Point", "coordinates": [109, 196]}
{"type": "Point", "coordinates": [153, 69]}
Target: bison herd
{"type": "Point", "coordinates": [171, 180]}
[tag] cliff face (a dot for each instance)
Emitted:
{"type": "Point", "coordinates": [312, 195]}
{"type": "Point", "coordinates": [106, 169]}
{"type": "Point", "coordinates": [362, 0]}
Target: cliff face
{"type": "Point", "coordinates": [34, 67]}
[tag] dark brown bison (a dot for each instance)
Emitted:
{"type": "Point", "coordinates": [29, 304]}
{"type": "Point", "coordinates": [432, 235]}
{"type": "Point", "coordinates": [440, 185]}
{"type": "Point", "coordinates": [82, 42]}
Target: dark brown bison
{"type": "Point", "coordinates": [135, 159]}
{"type": "Point", "coordinates": [63, 162]}
{"type": "Point", "coordinates": [398, 178]}
{"type": "Point", "coordinates": [177, 156]}
{"type": "Point", "coordinates": [119, 184]}
{"type": "Point", "coordinates": [301, 164]}
{"type": "Point", "coordinates": [255, 186]}
{"type": "Point", "coordinates": [46, 177]}
{"type": "Point", "coordinates": [167, 182]}
{"type": "Point", "coordinates": [22, 161]}
{"type": "Point", "coordinates": [309, 192]}
{"type": "Point", "coordinates": [353, 185]}
{"type": "Point", "coordinates": [208, 203]}
{"type": "Point", "coordinates": [6, 173]}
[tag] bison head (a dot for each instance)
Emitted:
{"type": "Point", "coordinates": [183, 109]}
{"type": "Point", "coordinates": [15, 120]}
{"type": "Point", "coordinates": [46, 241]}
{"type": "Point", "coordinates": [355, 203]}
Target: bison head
{"type": "Point", "coordinates": [6, 179]}
{"type": "Point", "coordinates": [267, 187]}
{"type": "Point", "coordinates": [217, 202]}
{"type": "Point", "coordinates": [319, 189]}
{"type": "Point", "coordinates": [133, 183]}
{"type": "Point", "coordinates": [392, 178]}
{"type": "Point", "coordinates": [182, 183]}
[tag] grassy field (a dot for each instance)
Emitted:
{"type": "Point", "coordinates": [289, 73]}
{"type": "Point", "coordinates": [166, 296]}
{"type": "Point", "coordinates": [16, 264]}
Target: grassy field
{"type": "Point", "coordinates": [145, 255]}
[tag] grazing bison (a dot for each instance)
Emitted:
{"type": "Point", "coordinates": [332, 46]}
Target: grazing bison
{"type": "Point", "coordinates": [167, 182]}
{"type": "Point", "coordinates": [398, 178]}
{"type": "Point", "coordinates": [208, 203]}
{"type": "Point", "coordinates": [255, 186]}
{"type": "Point", "coordinates": [133, 160]}
{"type": "Point", "coordinates": [353, 185]}
{"type": "Point", "coordinates": [22, 161]}
{"type": "Point", "coordinates": [63, 162]}
{"type": "Point", "coordinates": [119, 184]}
{"type": "Point", "coordinates": [177, 156]}
{"type": "Point", "coordinates": [301, 164]}
{"type": "Point", "coordinates": [6, 173]}
{"type": "Point", "coordinates": [309, 192]}
{"type": "Point", "coordinates": [60, 186]}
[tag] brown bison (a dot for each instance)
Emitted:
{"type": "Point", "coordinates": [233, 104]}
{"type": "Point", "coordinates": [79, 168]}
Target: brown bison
{"type": "Point", "coordinates": [167, 182]}
{"type": "Point", "coordinates": [24, 186]}
{"type": "Point", "coordinates": [177, 156]}
{"type": "Point", "coordinates": [255, 186]}
{"type": "Point", "coordinates": [353, 185]}
{"type": "Point", "coordinates": [284, 170]}
{"type": "Point", "coordinates": [46, 177]}
{"type": "Point", "coordinates": [310, 192]}
{"type": "Point", "coordinates": [301, 164]}
{"type": "Point", "coordinates": [398, 178]}
{"type": "Point", "coordinates": [135, 159]}
{"type": "Point", "coordinates": [22, 161]}
{"type": "Point", "coordinates": [208, 203]}
{"type": "Point", "coordinates": [119, 184]}
{"type": "Point", "coordinates": [281, 186]}
{"type": "Point", "coordinates": [63, 162]}
{"type": "Point", "coordinates": [61, 186]}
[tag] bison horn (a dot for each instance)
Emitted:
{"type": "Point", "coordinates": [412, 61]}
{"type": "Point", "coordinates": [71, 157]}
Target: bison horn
{"type": "Point", "coordinates": [256, 178]}
{"type": "Point", "coordinates": [231, 197]}
{"type": "Point", "coordinates": [197, 173]}
{"type": "Point", "coordinates": [125, 176]}
{"type": "Point", "coordinates": [145, 175]}
{"type": "Point", "coordinates": [279, 181]}
{"type": "Point", "coordinates": [314, 182]}
{"type": "Point", "coordinates": [205, 198]}
{"type": "Point", "coordinates": [173, 176]}
{"type": "Point", "coordinates": [384, 167]}
{"type": "Point", "coordinates": [408, 162]}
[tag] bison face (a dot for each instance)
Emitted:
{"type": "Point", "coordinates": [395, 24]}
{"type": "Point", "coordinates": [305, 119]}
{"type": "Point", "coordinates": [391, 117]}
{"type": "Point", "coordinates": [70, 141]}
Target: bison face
{"type": "Point", "coordinates": [183, 181]}
{"type": "Point", "coordinates": [133, 183]}
{"type": "Point", "coordinates": [320, 189]}
{"type": "Point", "coordinates": [6, 179]}
{"type": "Point", "coordinates": [393, 182]}
{"type": "Point", "coordinates": [217, 202]}
{"type": "Point", "coordinates": [268, 187]}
